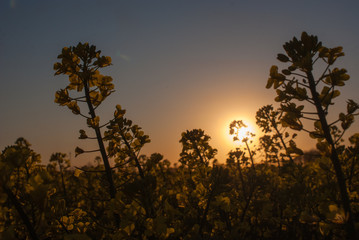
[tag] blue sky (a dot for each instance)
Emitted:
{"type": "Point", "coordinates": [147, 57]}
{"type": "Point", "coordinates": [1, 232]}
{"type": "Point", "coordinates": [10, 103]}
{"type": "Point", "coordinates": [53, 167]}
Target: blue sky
{"type": "Point", "coordinates": [177, 65]}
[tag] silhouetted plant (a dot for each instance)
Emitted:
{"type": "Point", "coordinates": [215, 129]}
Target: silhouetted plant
{"type": "Point", "coordinates": [234, 128]}
{"type": "Point", "coordinates": [297, 83]}
{"type": "Point", "coordinates": [81, 64]}
{"type": "Point", "coordinates": [275, 142]}
{"type": "Point", "coordinates": [196, 149]}
{"type": "Point", "coordinates": [24, 191]}
{"type": "Point", "coordinates": [248, 198]}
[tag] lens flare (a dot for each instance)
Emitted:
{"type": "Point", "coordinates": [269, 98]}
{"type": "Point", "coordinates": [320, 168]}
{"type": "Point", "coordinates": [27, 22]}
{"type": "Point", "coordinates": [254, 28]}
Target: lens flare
{"type": "Point", "coordinates": [12, 3]}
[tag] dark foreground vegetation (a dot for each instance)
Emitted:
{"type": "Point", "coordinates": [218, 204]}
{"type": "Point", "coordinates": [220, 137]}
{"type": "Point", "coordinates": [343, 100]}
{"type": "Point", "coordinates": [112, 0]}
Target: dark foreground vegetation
{"type": "Point", "coordinates": [269, 191]}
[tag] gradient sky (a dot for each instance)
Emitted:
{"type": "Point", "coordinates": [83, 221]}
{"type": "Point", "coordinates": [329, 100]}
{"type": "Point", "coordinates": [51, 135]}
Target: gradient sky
{"type": "Point", "coordinates": [177, 65]}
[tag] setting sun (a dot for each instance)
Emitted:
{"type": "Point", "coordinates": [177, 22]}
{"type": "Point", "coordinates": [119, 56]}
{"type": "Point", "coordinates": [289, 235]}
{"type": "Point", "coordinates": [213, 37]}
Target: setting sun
{"type": "Point", "coordinates": [242, 132]}
{"type": "Point", "coordinates": [239, 132]}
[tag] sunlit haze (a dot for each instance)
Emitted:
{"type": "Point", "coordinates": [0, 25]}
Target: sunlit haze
{"type": "Point", "coordinates": [176, 65]}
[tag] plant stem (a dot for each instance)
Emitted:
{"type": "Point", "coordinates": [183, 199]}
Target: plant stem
{"type": "Point", "coordinates": [112, 189]}
{"type": "Point", "coordinates": [334, 158]}
{"type": "Point", "coordinates": [21, 212]}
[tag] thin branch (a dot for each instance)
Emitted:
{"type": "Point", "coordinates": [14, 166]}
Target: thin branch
{"type": "Point", "coordinates": [21, 212]}
{"type": "Point", "coordinates": [311, 113]}
{"type": "Point", "coordinates": [78, 99]}
{"type": "Point", "coordinates": [122, 164]}
{"type": "Point", "coordinates": [310, 101]}
{"type": "Point", "coordinates": [97, 106]}
{"type": "Point", "coordinates": [315, 60]}
{"type": "Point", "coordinates": [307, 131]}
{"type": "Point", "coordinates": [83, 115]}
{"type": "Point", "coordinates": [204, 216]}
{"type": "Point", "coordinates": [300, 75]}
{"type": "Point", "coordinates": [336, 121]}
{"type": "Point", "coordinates": [308, 118]}
{"type": "Point", "coordinates": [132, 154]}
{"type": "Point", "coordinates": [323, 74]}
{"type": "Point", "coordinates": [340, 137]}
{"type": "Point", "coordinates": [93, 90]}
{"type": "Point", "coordinates": [62, 225]}
{"type": "Point", "coordinates": [91, 138]}
{"type": "Point", "coordinates": [303, 85]}
{"type": "Point", "coordinates": [90, 151]}
{"type": "Point", "coordinates": [105, 124]}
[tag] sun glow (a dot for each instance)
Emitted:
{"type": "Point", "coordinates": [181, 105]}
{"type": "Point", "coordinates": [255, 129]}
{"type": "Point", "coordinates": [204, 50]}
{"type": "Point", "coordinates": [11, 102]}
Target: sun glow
{"type": "Point", "coordinates": [241, 129]}
{"type": "Point", "coordinates": [224, 142]}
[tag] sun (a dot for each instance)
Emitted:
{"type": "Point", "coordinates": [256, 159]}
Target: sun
{"type": "Point", "coordinates": [241, 129]}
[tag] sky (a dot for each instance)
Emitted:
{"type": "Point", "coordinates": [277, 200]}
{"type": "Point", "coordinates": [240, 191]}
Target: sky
{"type": "Point", "coordinates": [177, 64]}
